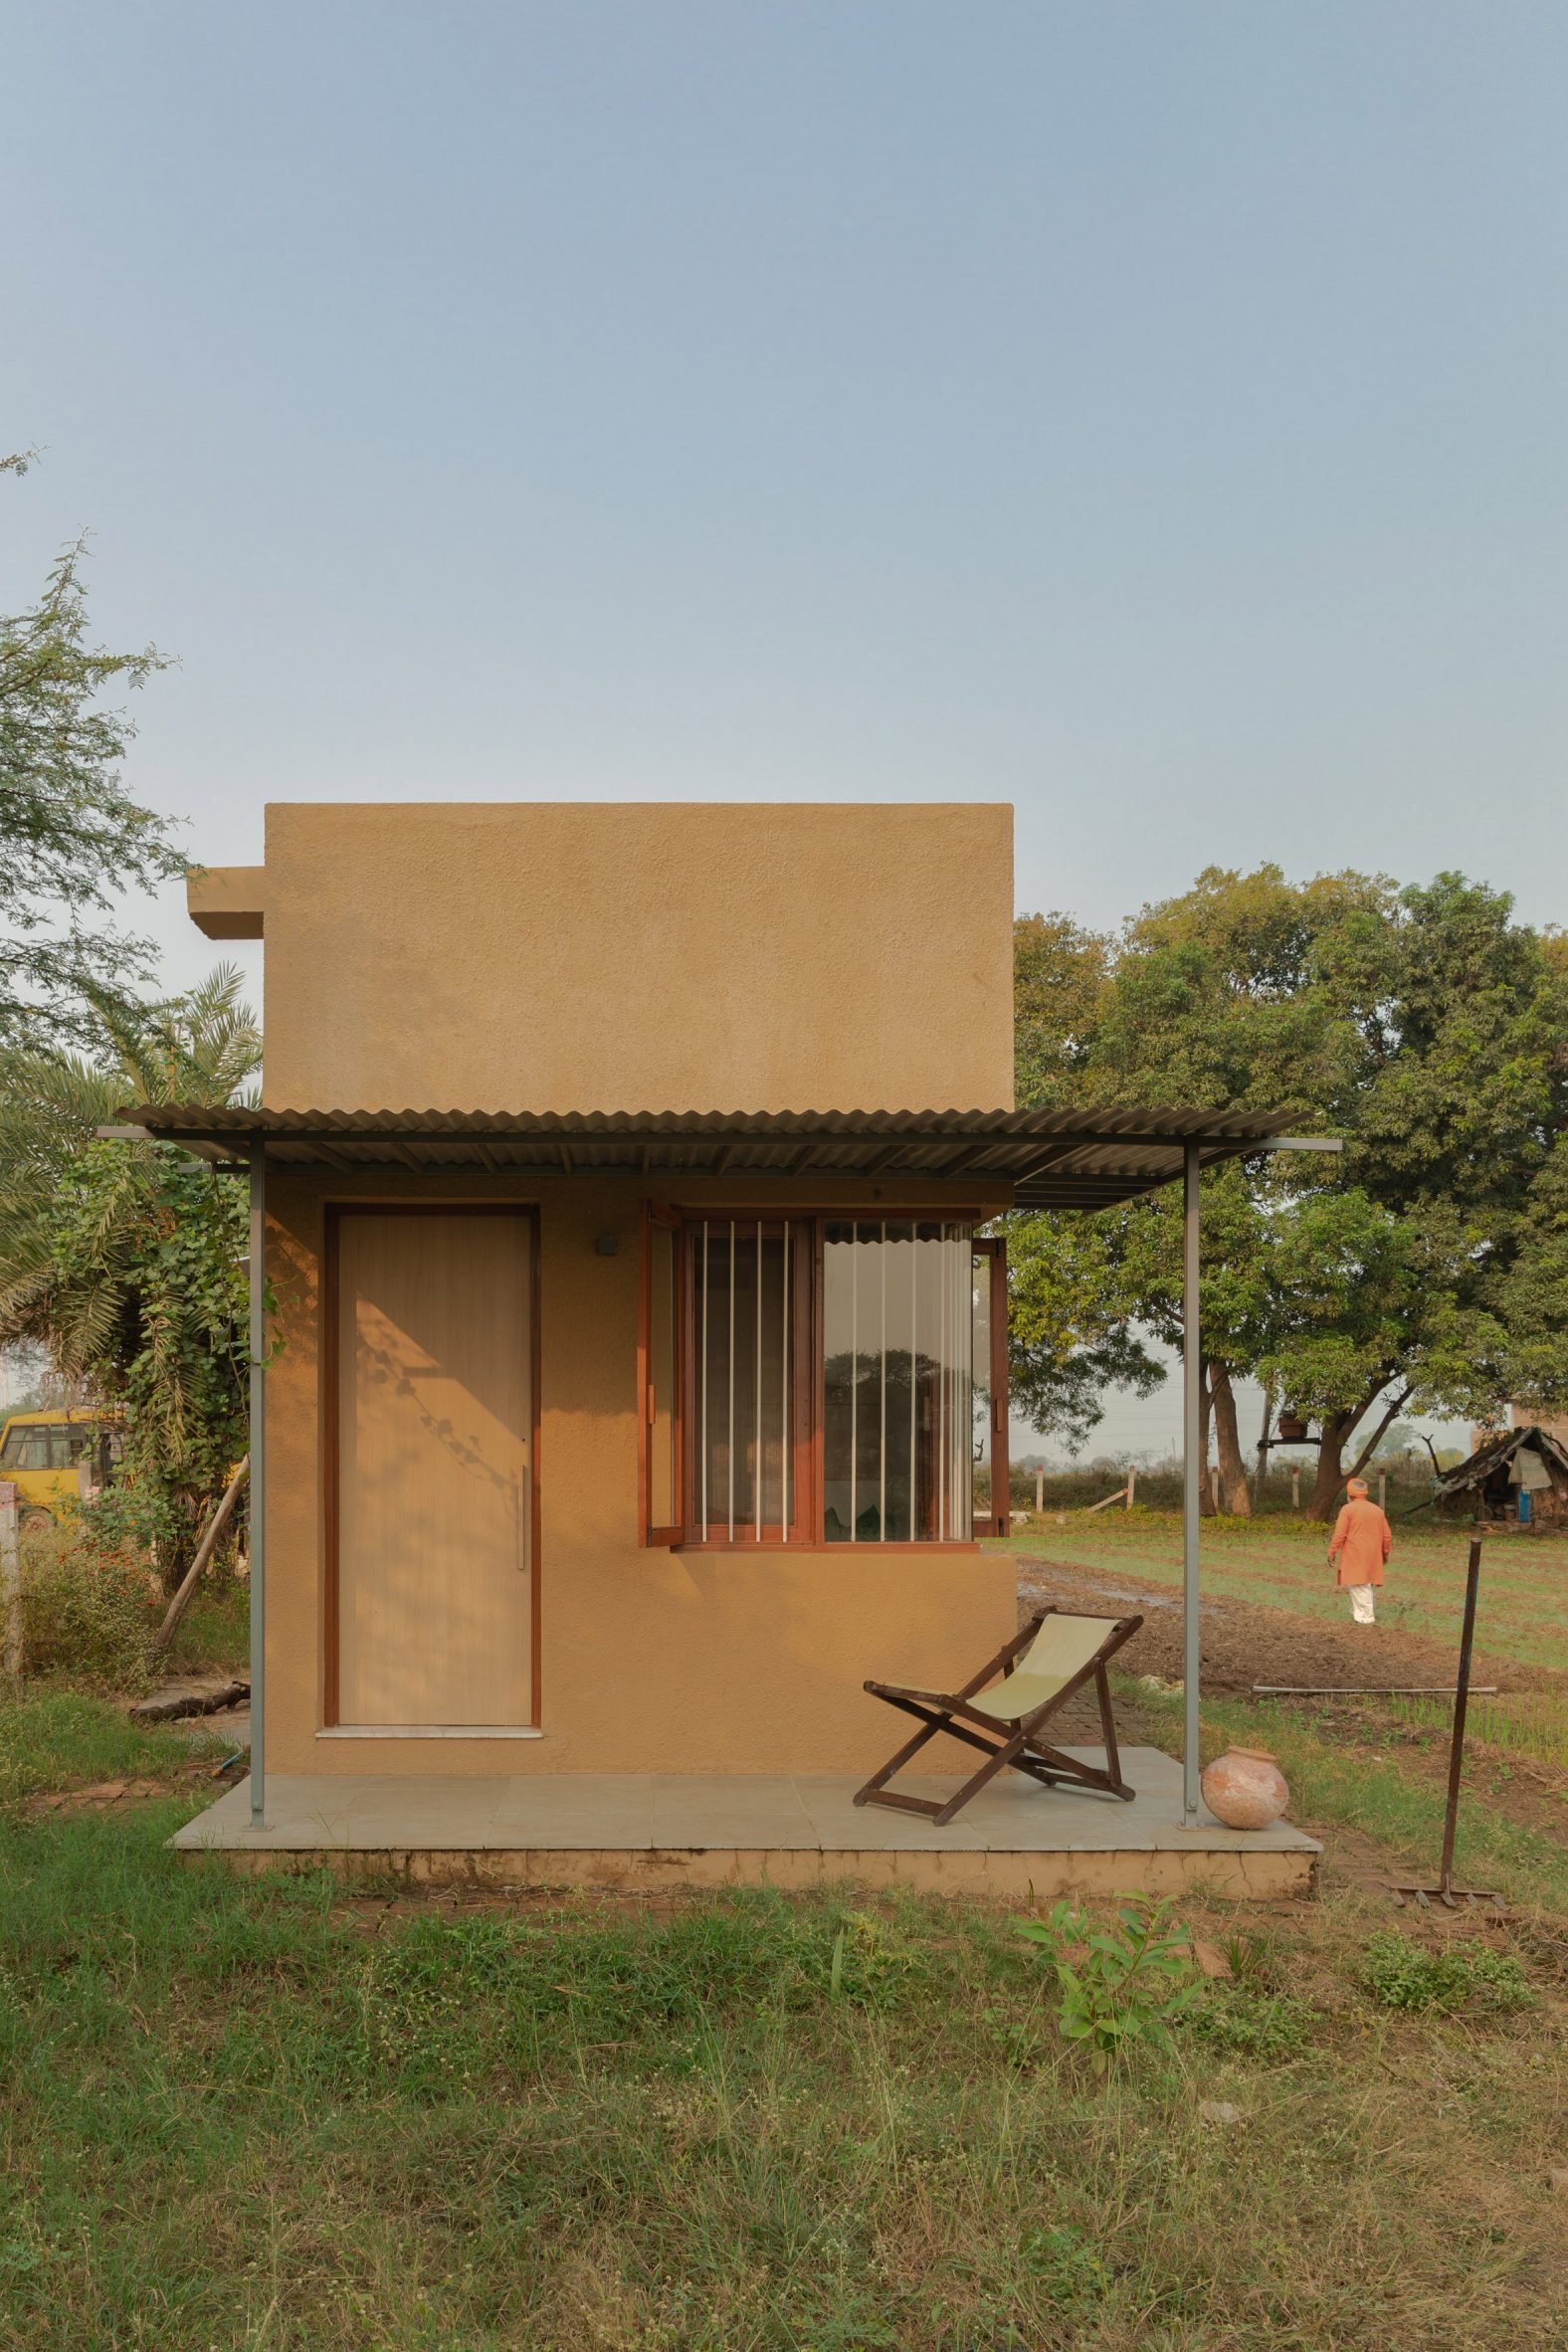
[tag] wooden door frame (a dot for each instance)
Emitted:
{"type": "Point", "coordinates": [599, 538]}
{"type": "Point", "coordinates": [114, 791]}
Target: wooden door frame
{"type": "Point", "coordinates": [333, 1214]}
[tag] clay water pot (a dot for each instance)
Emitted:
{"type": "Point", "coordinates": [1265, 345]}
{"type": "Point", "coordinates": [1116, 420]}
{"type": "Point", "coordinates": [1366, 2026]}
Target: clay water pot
{"type": "Point", "coordinates": [1246, 1789]}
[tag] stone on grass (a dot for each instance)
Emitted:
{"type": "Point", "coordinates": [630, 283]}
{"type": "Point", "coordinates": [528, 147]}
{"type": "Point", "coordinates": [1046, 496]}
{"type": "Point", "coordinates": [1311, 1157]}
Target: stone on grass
{"type": "Point", "coordinates": [1218, 2111]}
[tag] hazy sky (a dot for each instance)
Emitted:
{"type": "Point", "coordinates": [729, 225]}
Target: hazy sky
{"type": "Point", "coordinates": [1153, 415]}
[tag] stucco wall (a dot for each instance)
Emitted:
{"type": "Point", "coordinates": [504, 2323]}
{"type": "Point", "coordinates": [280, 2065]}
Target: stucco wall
{"type": "Point", "coordinates": [534, 956]}
{"type": "Point", "coordinates": [652, 1661]}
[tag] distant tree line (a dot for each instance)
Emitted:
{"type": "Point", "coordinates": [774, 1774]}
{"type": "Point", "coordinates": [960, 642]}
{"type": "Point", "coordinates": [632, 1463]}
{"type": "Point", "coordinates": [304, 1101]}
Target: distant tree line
{"type": "Point", "coordinates": [1423, 1271]}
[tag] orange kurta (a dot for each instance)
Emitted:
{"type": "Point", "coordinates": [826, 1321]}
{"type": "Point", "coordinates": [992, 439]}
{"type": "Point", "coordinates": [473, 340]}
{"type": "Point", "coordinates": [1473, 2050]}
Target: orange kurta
{"type": "Point", "coordinates": [1362, 1542]}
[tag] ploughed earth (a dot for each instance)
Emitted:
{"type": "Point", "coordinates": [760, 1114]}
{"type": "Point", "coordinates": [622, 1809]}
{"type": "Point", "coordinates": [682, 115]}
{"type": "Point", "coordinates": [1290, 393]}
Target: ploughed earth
{"type": "Point", "coordinates": [1245, 1642]}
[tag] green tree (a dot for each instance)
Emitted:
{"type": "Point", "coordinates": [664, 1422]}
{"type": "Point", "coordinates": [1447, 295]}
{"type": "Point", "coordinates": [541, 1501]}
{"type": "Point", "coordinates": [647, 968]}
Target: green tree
{"type": "Point", "coordinates": [1423, 1026]}
{"type": "Point", "coordinates": [71, 841]}
{"type": "Point", "coordinates": [125, 1261]}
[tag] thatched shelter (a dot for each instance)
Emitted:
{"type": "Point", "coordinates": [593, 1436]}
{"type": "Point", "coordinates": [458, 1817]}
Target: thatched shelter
{"type": "Point", "coordinates": [1519, 1475]}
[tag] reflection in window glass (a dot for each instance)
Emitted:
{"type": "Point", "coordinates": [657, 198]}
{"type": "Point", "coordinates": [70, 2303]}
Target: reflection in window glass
{"type": "Point", "coordinates": [898, 1388]}
{"type": "Point", "coordinates": [741, 1274]}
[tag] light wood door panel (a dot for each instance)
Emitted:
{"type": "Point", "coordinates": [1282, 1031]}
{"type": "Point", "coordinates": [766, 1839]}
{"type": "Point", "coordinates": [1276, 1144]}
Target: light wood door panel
{"type": "Point", "coordinates": [434, 1496]}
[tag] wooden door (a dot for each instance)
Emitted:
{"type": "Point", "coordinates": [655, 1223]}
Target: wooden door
{"type": "Point", "coordinates": [433, 1510]}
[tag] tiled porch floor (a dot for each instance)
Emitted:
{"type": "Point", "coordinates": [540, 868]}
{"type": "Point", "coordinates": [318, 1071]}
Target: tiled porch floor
{"type": "Point", "coordinates": [646, 1830]}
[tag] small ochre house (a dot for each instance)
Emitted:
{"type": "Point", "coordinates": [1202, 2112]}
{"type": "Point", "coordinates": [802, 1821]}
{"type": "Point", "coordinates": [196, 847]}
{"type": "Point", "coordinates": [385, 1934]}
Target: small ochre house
{"type": "Point", "coordinates": [635, 1348]}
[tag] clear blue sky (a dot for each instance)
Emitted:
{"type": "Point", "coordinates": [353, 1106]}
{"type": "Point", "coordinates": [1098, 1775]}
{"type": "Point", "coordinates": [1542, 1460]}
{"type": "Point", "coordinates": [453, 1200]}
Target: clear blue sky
{"type": "Point", "coordinates": [1154, 415]}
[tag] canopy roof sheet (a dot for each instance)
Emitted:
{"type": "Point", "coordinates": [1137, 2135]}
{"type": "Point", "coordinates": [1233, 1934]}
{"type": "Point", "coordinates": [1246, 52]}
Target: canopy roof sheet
{"type": "Point", "coordinates": [1055, 1159]}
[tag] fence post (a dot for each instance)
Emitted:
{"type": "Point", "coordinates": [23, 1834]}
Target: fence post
{"type": "Point", "coordinates": [1382, 1491]}
{"type": "Point", "coordinates": [1040, 1490]}
{"type": "Point", "coordinates": [1295, 1487]}
{"type": "Point", "coordinates": [10, 1585]}
{"type": "Point", "coordinates": [1132, 1483]}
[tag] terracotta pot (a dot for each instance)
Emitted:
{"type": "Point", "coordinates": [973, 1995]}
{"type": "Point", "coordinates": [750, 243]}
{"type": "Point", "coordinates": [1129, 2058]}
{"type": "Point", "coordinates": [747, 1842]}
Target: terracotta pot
{"type": "Point", "coordinates": [1246, 1789]}
{"type": "Point", "coordinates": [1293, 1428]}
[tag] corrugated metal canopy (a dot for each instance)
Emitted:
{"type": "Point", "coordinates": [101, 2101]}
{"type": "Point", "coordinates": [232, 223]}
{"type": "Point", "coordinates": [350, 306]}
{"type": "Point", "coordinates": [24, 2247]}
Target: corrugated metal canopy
{"type": "Point", "coordinates": [1055, 1159]}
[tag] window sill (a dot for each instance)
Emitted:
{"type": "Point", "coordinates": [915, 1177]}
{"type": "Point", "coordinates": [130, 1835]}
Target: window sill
{"type": "Point", "coordinates": [817, 1546]}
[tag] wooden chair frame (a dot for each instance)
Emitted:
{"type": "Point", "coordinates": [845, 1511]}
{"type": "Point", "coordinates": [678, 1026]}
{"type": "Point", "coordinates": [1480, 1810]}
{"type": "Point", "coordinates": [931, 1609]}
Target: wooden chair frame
{"type": "Point", "coordinates": [1021, 1748]}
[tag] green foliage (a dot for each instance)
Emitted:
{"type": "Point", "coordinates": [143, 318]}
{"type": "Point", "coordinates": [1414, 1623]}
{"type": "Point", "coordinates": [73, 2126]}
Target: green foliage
{"type": "Point", "coordinates": [1402, 1974]}
{"type": "Point", "coordinates": [88, 1610]}
{"type": "Point", "coordinates": [71, 842]}
{"type": "Point", "coordinates": [1244, 2022]}
{"type": "Point", "coordinates": [1122, 1984]}
{"type": "Point", "coordinates": [1424, 1271]}
{"type": "Point", "coordinates": [125, 1261]}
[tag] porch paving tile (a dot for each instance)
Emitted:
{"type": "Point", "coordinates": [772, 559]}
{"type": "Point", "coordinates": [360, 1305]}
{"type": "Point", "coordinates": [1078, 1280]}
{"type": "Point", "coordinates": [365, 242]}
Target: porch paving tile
{"type": "Point", "coordinates": [590, 1810]}
{"type": "Point", "coordinates": [746, 1811]}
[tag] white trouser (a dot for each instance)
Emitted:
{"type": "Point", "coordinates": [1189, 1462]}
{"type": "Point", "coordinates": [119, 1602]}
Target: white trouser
{"type": "Point", "coordinates": [1362, 1603]}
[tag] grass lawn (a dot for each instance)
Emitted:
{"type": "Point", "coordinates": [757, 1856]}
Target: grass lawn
{"type": "Point", "coordinates": [1279, 1562]}
{"type": "Point", "coordinates": [246, 2112]}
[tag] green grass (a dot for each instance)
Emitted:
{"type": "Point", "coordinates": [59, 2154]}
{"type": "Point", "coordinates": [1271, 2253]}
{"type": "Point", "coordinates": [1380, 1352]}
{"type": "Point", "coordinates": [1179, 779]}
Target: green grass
{"type": "Point", "coordinates": [243, 2113]}
{"type": "Point", "coordinates": [1331, 1783]}
{"type": "Point", "coordinates": [1524, 1609]}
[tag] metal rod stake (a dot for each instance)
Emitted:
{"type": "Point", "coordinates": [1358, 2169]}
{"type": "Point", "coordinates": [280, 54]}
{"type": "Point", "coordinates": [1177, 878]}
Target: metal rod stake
{"type": "Point", "coordinates": [1191, 1471]}
{"type": "Point", "coordinates": [258, 1353]}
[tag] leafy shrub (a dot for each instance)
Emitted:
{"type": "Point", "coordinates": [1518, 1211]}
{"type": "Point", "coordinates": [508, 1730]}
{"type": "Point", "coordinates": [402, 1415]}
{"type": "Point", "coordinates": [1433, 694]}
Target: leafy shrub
{"type": "Point", "coordinates": [1405, 1975]}
{"type": "Point", "coordinates": [1243, 2022]}
{"type": "Point", "coordinates": [1121, 1985]}
{"type": "Point", "coordinates": [87, 1612]}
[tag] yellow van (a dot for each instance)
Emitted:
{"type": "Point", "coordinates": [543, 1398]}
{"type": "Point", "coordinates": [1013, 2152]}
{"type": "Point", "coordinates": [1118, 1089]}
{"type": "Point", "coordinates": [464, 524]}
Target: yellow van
{"type": "Point", "coordinates": [42, 1453]}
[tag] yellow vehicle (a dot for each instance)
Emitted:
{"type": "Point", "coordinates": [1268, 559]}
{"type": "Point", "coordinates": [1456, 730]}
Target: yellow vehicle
{"type": "Point", "coordinates": [44, 1453]}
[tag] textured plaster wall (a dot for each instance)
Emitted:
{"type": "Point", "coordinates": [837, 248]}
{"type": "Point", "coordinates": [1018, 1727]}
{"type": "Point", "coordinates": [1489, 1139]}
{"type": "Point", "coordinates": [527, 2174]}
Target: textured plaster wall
{"type": "Point", "coordinates": [653, 1661]}
{"type": "Point", "coordinates": [533, 956]}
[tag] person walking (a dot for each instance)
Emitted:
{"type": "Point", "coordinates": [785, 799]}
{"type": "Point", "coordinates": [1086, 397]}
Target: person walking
{"type": "Point", "coordinates": [1363, 1541]}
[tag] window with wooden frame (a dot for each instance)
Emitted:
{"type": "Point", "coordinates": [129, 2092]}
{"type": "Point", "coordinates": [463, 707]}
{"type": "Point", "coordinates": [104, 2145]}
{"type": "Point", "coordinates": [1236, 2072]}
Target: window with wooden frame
{"type": "Point", "coordinates": [822, 1380]}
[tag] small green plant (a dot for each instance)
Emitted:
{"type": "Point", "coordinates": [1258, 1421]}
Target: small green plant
{"type": "Point", "coordinates": [871, 1961]}
{"type": "Point", "coordinates": [1074, 2272]}
{"type": "Point", "coordinates": [1245, 2023]}
{"type": "Point", "coordinates": [1121, 1984]}
{"type": "Point", "coordinates": [1402, 1974]}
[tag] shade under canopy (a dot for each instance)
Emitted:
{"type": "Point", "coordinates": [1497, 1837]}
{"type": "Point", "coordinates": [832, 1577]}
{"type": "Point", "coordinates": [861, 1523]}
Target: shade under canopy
{"type": "Point", "coordinates": [1055, 1159]}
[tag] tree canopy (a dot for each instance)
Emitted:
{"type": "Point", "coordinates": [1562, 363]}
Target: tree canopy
{"type": "Point", "coordinates": [1421, 1272]}
{"type": "Point", "coordinates": [72, 841]}
{"type": "Point", "coordinates": [125, 1261]}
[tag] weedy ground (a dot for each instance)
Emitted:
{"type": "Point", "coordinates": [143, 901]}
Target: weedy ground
{"type": "Point", "coordinates": [253, 2112]}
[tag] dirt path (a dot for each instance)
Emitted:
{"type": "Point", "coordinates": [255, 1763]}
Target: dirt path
{"type": "Point", "coordinates": [1244, 1641]}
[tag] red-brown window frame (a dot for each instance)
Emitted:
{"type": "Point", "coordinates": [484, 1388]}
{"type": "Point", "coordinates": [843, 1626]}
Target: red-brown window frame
{"type": "Point", "coordinates": [805, 1531]}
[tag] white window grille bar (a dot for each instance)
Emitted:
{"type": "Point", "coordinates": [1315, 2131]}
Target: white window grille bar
{"type": "Point", "coordinates": [854, 1364]}
{"type": "Point", "coordinates": [941, 1385]}
{"type": "Point", "coordinates": [882, 1450]}
{"type": "Point", "coordinates": [702, 1416]}
{"type": "Point", "coordinates": [914, 1374]}
{"type": "Point", "coordinates": [784, 1464]}
{"type": "Point", "coordinates": [732, 1380]}
{"type": "Point", "coordinates": [756, 1389]}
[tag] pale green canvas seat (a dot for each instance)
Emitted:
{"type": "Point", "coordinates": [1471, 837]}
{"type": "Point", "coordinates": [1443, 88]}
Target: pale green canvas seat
{"type": "Point", "coordinates": [1061, 1649]}
{"type": "Point", "coordinates": [1040, 1669]}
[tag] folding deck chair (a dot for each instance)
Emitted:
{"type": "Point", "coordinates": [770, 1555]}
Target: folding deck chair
{"type": "Point", "coordinates": [1041, 1667]}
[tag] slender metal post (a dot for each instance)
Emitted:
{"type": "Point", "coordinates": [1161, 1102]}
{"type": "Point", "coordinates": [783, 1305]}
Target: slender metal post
{"type": "Point", "coordinates": [1460, 1711]}
{"type": "Point", "coordinates": [1191, 1471]}
{"type": "Point", "coordinates": [257, 1275]}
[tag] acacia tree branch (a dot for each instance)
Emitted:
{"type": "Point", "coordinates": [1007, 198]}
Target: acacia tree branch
{"type": "Point", "coordinates": [1376, 1439]}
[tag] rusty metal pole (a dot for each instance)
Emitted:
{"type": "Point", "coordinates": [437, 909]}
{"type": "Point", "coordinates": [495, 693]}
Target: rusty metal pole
{"type": "Point", "coordinates": [1461, 1707]}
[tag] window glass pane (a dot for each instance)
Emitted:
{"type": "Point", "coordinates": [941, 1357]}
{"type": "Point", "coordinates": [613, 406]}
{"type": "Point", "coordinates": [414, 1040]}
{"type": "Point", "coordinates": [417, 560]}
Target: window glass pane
{"type": "Point", "coordinates": [27, 1450]}
{"type": "Point", "coordinates": [61, 1452]}
{"type": "Point", "coordinates": [897, 1384]}
{"type": "Point", "coordinates": [744, 1341]}
{"type": "Point", "coordinates": [980, 1357]}
{"type": "Point", "coordinates": [661, 1376]}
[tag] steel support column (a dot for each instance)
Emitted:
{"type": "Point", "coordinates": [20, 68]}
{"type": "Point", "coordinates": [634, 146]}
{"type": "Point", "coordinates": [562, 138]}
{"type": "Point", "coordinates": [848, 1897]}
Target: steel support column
{"type": "Point", "coordinates": [1193, 1468]}
{"type": "Point", "coordinates": [258, 1352]}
